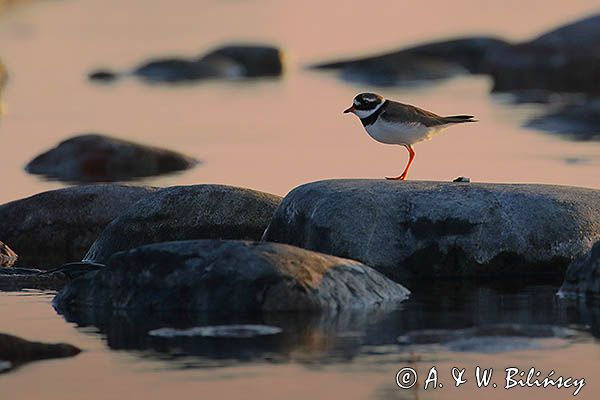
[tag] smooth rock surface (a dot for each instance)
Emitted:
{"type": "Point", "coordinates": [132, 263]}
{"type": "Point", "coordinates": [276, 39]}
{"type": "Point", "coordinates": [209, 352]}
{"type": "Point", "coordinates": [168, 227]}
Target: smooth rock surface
{"type": "Point", "coordinates": [417, 229]}
{"type": "Point", "coordinates": [583, 275]}
{"type": "Point", "coordinates": [430, 61]}
{"type": "Point", "coordinates": [187, 213]}
{"type": "Point", "coordinates": [100, 158]}
{"type": "Point", "coordinates": [18, 351]}
{"type": "Point", "coordinates": [229, 275]}
{"type": "Point", "coordinates": [55, 227]}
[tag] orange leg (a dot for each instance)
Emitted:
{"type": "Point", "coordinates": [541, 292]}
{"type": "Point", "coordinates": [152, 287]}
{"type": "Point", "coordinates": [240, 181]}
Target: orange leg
{"type": "Point", "coordinates": [411, 153]}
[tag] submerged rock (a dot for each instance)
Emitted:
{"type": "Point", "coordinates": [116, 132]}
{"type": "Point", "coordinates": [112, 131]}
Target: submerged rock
{"type": "Point", "coordinates": [15, 351]}
{"type": "Point", "coordinates": [229, 275]}
{"type": "Point", "coordinates": [29, 278]}
{"type": "Point", "coordinates": [583, 274]}
{"type": "Point", "coordinates": [431, 61]}
{"type": "Point", "coordinates": [99, 158]}
{"type": "Point", "coordinates": [434, 229]}
{"type": "Point", "coordinates": [495, 338]}
{"type": "Point", "coordinates": [186, 213]}
{"type": "Point", "coordinates": [7, 256]}
{"type": "Point", "coordinates": [566, 59]}
{"type": "Point", "coordinates": [580, 121]}
{"type": "Point", "coordinates": [220, 331]}
{"type": "Point", "coordinates": [56, 227]}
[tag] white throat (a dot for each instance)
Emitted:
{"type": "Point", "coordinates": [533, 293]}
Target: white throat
{"type": "Point", "coordinates": [367, 113]}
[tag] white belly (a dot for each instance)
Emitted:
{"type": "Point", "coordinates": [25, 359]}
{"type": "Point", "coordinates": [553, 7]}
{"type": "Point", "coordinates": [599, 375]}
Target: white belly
{"type": "Point", "coordinates": [399, 133]}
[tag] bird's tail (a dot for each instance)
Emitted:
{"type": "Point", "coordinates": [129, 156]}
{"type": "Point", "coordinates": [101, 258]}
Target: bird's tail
{"type": "Point", "coordinates": [457, 119]}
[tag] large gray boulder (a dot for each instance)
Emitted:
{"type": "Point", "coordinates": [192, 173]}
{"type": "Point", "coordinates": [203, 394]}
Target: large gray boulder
{"type": "Point", "coordinates": [434, 229]}
{"type": "Point", "coordinates": [186, 213]}
{"type": "Point", "coordinates": [55, 227]}
{"type": "Point", "coordinates": [583, 275]}
{"type": "Point", "coordinates": [99, 158]}
{"type": "Point", "coordinates": [229, 275]}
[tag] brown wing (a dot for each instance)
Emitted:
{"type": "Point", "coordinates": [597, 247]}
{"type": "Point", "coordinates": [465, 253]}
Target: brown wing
{"type": "Point", "coordinates": [405, 112]}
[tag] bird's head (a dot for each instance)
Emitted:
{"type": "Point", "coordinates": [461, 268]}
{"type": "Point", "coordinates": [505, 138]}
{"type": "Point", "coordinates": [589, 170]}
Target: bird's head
{"type": "Point", "coordinates": [365, 104]}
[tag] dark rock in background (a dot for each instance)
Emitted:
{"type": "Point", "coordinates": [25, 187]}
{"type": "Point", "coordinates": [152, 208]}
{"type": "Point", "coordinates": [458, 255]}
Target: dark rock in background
{"type": "Point", "coordinates": [229, 275]}
{"type": "Point", "coordinates": [55, 227]}
{"type": "Point", "coordinates": [103, 75]}
{"type": "Point", "coordinates": [437, 60]}
{"type": "Point", "coordinates": [186, 213]}
{"type": "Point", "coordinates": [227, 62]}
{"type": "Point", "coordinates": [254, 60]}
{"type": "Point", "coordinates": [17, 351]}
{"type": "Point", "coordinates": [99, 158]}
{"type": "Point", "coordinates": [178, 69]}
{"type": "Point", "coordinates": [409, 230]}
{"type": "Point", "coordinates": [566, 59]}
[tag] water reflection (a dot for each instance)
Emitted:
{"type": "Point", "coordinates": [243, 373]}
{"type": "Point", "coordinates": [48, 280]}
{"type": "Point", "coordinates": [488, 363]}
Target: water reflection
{"type": "Point", "coordinates": [331, 338]}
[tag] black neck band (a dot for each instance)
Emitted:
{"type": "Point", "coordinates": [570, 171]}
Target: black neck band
{"type": "Point", "coordinates": [373, 117]}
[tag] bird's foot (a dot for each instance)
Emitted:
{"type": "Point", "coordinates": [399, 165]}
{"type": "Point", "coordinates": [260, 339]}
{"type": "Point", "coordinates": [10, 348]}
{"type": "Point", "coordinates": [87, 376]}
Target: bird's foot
{"type": "Point", "coordinates": [396, 178]}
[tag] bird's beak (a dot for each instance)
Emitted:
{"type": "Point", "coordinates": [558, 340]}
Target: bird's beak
{"type": "Point", "coordinates": [349, 109]}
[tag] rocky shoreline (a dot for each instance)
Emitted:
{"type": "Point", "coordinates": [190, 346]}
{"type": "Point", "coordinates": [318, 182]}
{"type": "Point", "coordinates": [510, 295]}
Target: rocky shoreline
{"type": "Point", "coordinates": [408, 231]}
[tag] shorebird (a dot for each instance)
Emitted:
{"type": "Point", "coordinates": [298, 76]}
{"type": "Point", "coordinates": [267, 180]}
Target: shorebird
{"type": "Point", "coordinates": [391, 122]}
{"type": "Point", "coordinates": [7, 256]}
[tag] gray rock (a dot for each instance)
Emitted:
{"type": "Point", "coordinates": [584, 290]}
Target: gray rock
{"type": "Point", "coordinates": [236, 61]}
{"type": "Point", "coordinates": [431, 61]}
{"type": "Point", "coordinates": [575, 121]}
{"type": "Point", "coordinates": [186, 213]}
{"type": "Point", "coordinates": [178, 69]}
{"type": "Point", "coordinates": [563, 60]}
{"type": "Point", "coordinates": [55, 227]}
{"type": "Point", "coordinates": [229, 275]}
{"type": "Point", "coordinates": [583, 274]}
{"type": "Point", "coordinates": [99, 158]}
{"type": "Point", "coordinates": [7, 256]}
{"type": "Point", "coordinates": [433, 229]}
{"type": "Point", "coordinates": [18, 351]}
{"type": "Point", "coordinates": [254, 60]}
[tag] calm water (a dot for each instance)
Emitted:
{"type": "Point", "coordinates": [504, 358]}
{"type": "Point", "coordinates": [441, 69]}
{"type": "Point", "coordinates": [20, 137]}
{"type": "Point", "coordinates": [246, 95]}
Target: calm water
{"type": "Point", "coordinates": [272, 135]}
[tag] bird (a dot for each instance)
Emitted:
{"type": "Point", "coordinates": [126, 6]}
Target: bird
{"type": "Point", "coordinates": [7, 256]}
{"type": "Point", "coordinates": [391, 122]}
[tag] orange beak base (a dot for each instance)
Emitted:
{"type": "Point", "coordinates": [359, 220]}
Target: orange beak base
{"type": "Point", "coordinates": [350, 109]}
